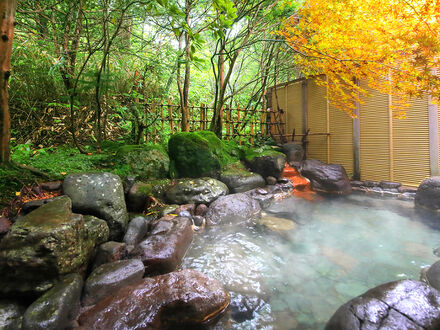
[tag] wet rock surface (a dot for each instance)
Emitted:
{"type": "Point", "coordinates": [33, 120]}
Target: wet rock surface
{"type": "Point", "coordinates": [11, 315]}
{"type": "Point", "coordinates": [233, 209]}
{"type": "Point", "coordinates": [243, 307]}
{"type": "Point", "coordinates": [100, 195]}
{"type": "Point", "coordinates": [166, 244]}
{"type": "Point", "coordinates": [405, 304]}
{"type": "Point", "coordinates": [57, 307]}
{"type": "Point", "coordinates": [433, 275]}
{"type": "Point", "coordinates": [203, 190]}
{"type": "Point", "coordinates": [170, 301]}
{"type": "Point", "coordinates": [137, 230]}
{"type": "Point", "coordinates": [109, 252]}
{"type": "Point", "coordinates": [140, 193]}
{"type": "Point", "coordinates": [428, 194]}
{"type": "Point", "coordinates": [294, 152]}
{"type": "Point", "coordinates": [327, 178]}
{"type": "Point", "coordinates": [239, 180]}
{"type": "Point", "coordinates": [42, 245]}
{"type": "Point", "coordinates": [108, 278]}
{"type": "Point", "coordinates": [266, 162]}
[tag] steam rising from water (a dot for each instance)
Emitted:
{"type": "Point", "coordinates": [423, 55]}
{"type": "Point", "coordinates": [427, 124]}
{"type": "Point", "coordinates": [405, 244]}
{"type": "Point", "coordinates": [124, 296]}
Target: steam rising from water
{"type": "Point", "coordinates": [339, 249]}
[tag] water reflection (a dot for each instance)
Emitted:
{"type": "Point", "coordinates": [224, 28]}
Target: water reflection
{"type": "Point", "coordinates": [297, 278]}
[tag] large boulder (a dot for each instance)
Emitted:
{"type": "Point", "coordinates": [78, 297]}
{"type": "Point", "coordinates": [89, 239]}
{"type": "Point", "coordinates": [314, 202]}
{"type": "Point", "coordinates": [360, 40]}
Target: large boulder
{"type": "Point", "coordinates": [197, 191]}
{"type": "Point", "coordinates": [233, 209]}
{"type": "Point", "coordinates": [327, 178]}
{"type": "Point", "coordinates": [239, 180]}
{"type": "Point", "coordinates": [404, 304]}
{"type": "Point", "coordinates": [266, 162]}
{"type": "Point", "coordinates": [294, 152]}
{"type": "Point", "coordinates": [11, 315]}
{"type": "Point", "coordinates": [139, 194]}
{"type": "Point", "coordinates": [108, 278]}
{"type": "Point", "coordinates": [57, 307]}
{"type": "Point", "coordinates": [101, 195]}
{"type": "Point", "coordinates": [428, 194]}
{"type": "Point", "coordinates": [44, 244]}
{"type": "Point", "coordinates": [165, 246]}
{"type": "Point", "coordinates": [144, 161]}
{"type": "Point", "coordinates": [172, 301]}
{"type": "Point", "coordinates": [433, 275]}
{"type": "Point", "coordinates": [197, 154]}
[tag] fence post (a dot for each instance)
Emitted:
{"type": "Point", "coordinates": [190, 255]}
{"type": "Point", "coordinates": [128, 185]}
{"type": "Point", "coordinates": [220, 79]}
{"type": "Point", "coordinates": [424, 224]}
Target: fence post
{"type": "Point", "coordinates": [228, 122]}
{"type": "Point", "coordinates": [202, 117]}
{"type": "Point", "coordinates": [170, 116]}
{"type": "Point", "coordinates": [154, 130]}
{"type": "Point", "coordinates": [252, 131]}
{"type": "Point", "coordinates": [238, 125]}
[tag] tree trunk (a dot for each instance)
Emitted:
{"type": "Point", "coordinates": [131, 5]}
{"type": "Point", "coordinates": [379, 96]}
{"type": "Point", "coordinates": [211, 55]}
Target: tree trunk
{"type": "Point", "coordinates": [7, 22]}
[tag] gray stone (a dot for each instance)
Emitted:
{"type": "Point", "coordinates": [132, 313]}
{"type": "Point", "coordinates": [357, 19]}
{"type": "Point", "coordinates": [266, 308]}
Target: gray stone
{"type": "Point", "coordinates": [198, 220]}
{"type": "Point", "coordinates": [327, 178]}
{"type": "Point", "coordinates": [407, 196]}
{"type": "Point", "coordinates": [109, 278]}
{"type": "Point", "coordinates": [406, 189]}
{"type": "Point", "coordinates": [243, 306]}
{"type": "Point", "coordinates": [262, 196]}
{"type": "Point", "coordinates": [371, 184]}
{"type": "Point", "coordinates": [101, 195]}
{"type": "Point", "coordinates": [356, 183]}
{"type": "Point", "coordinates": [57, 307]}
{"type": "Point", "coordinates": [233, 209]}
{"type": "Point", "coordinates": [405, 304]}
{"type": "Point", "coordinates": [42, 245]}
{"type": "Point", "coordinates": [163, 249]}
{"type": "Point", "coordinates": [433, 275]}
{"type": "Point", "coordinates": [11, 315]}
{"type": "Point", "coordinates": [137, 230]}
{"type": "Point", "coordinates": [33, 205]}
{"type": "Point", "coordinates": [270, 180]}
{"type": "Point", "coordinates": [390, 194]}
{"type": "Point", "coordinates": [238, 179]}
{"type": "Point", "coordinates": [389, 185]}
{"type": "Point", "coordinates": [266, 162]}
{"type": "Point", "coordinates": [294, 152]}
{"type": "Point", "coordinates": [109, 252]}
{"type": "Point", "coordinates": [52, 186]}
{"type": "Point", "coordinates": [203, 190]}
{"type": "Point", "coordinates": [428, 194]}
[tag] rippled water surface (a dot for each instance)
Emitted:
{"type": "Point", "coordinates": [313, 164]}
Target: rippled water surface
{"type": "Point", "coordinates": [336, 250]}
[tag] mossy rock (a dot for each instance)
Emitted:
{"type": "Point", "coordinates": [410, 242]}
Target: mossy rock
{"type": "Point", "coordinates": [145, 161]}
{"type": "Point", "coordinates": [198, 154]}
{"type": "Point", "coordinates": [265, 161]}
{"type": "Point", "coordinates": [141, 191]}
{"type": "Point", "coordinates": [239, 179]}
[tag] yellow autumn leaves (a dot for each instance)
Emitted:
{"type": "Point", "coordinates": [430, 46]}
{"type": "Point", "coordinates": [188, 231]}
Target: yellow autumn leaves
{"type": "Point", "coordinates": [394, 46]}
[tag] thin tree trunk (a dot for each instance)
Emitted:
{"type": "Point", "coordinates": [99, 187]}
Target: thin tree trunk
{"type": "Point", "coordinates": [7, 22]}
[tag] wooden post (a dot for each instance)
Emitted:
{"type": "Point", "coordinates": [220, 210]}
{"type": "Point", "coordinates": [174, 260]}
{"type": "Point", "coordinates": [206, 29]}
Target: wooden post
{"type": "Point", "coordinates": [7, 22]}
{"type": "Point", "coordinates": [202, 117]}
{"type": "Point", "coordinates": [154, 130]}
{"type": "Point", "coordinates": [357, 141]}
{"type": "Point", "coordinates": [252, 131]}
{"type": "Point", "coordinates": [228, 122]}
{"type": "Point", "coordinates": [170, 116]}
{"type": "Point", "coordinates": [239, 125]}
{"type": "Point", "coordinates": [433, 136]}
{"type": "Point", "coordinates": [161, 116]}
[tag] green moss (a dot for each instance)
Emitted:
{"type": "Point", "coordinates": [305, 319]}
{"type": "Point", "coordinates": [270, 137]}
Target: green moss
{"type": "Point", "coordinates": [236, 168]}
{"type": "Point", "coordinates": [251, 153]}
{"type": "Point", "coordinates": [155, 188]}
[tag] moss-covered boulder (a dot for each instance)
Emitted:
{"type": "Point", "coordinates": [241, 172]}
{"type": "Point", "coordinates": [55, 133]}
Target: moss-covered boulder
{"type": "Point", "coordinates": [265, 161]}
{"type": "Point", "coordinates": [196, 191]}
{"type": "Point", "coordinates": [239, 180]}
{"type": "Point", "coordinates": [198, 154]}
{"type": "Point", "coordinates": [11, 315]}
{"type": "Point", "coordinates": [44, 244]}
{"type": "Point", "coordinates": [140, 192]}
{"type": "Point", "coordinates": [145, 161]}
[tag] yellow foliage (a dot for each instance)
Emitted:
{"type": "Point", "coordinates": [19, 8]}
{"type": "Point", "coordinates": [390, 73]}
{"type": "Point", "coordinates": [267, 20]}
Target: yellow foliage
{"type": "Point", "coordinates": [392, 45]}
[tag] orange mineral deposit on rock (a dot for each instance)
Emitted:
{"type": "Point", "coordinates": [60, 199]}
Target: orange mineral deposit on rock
{"type": "Point", "coordinates": [301, 185]}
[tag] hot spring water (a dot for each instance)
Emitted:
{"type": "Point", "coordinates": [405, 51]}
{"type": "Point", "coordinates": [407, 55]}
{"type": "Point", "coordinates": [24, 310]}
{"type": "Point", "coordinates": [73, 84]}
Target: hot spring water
{"type": "Point", "coordinates": [336, 250]}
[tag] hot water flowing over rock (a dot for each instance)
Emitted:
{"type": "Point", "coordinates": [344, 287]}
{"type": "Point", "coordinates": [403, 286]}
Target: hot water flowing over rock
{"type": "Point", "coordinates": [174, 300]}
{"type": "Point", "coordinates": [46, 243]}
{"type": "Point", "coordinates": [326, 178]}
{"type": "Point", "coordinates": [101, 195]}
{"type": "Point", "coordinates": [405, 304]}
{"type": "Point", "coordinates": [301, 185]}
